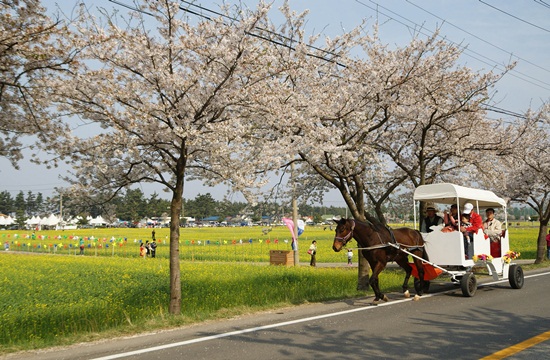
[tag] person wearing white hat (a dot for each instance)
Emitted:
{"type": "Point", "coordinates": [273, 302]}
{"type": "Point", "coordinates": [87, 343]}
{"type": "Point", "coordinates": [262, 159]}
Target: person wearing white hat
{"type": "Point", "coordinates": [476, 223]}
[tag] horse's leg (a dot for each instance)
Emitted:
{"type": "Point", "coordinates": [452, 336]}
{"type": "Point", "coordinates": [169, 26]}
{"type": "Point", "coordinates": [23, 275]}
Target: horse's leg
{"type": "Point", "coordinates": [420, 268]}
{"type": "Point", "coordinates": [373, 282]}
{"type": "Point", "coordinates": [403, 262]}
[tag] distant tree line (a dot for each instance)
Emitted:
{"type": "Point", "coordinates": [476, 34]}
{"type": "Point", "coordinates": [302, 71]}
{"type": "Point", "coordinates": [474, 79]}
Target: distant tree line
{"type": "Point", "coordinates": [133, 206]}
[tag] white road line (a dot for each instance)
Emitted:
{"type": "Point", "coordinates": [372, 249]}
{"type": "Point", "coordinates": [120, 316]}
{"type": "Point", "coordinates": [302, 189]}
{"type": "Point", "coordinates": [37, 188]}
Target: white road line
{"type": "Point", "coordinates": [277, 325]}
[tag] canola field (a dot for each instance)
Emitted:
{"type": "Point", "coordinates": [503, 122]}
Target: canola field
{"type": "Point", "coordinates": [241, 244]}
{"type": "Point", "coordinates": [52, 295]}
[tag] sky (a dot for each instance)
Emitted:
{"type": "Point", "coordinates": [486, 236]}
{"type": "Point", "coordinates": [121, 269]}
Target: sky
{"type": "Point", "coordinates": [493, 32]}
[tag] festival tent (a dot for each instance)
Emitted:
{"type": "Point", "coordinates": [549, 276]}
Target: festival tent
{"type": "Point", "coordinates": [98, 221]}
{"type": "Point", "coordinates": [73, 220]}
{"type": "Point", "coordinates": [35, 220]}
{"type": "Point", "coordinates": [52, 220]}
{"type": "Point", "coordinates": [6, 220]}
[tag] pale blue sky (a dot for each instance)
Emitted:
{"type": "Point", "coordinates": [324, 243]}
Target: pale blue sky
{"type": "Point", "coordinates": [494, 31]}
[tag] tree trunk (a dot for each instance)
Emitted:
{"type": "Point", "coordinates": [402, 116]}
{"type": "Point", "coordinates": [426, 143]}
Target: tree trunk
{"type": "Point", "coordinates": [363, 272]}
{"type": "Point", "coordinates": [541, 242]}
{"type": "Point", "coordinates": [175, 213]}
{"type": "Point", "coordinates": [175, 278]}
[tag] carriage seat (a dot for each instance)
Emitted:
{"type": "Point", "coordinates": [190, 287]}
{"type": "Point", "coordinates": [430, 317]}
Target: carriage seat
{"type": "Point", "coordinates": [496, 251]}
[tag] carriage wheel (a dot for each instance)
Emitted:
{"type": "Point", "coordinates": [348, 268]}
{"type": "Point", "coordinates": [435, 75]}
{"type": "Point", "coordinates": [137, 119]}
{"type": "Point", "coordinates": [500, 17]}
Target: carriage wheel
{"type": "Point", "coordinates": [468, 284]}
{"type": "Point", "coordinates": [515, 276]}
{"type": "Point", "coordinates": [417, 285]}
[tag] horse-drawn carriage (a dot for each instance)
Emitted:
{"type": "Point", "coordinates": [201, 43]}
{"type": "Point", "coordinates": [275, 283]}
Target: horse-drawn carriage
{"type": "Point", "coordinates": [439, 251]}
{"type": "Point", "coordinates": [446, 249]}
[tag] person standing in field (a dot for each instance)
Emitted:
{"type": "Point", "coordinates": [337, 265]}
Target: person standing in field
{"type": "Point", "coordinates": [142, 251]}
{"type": "Point", "coordinates": [153, 235]}
{"type": "Point", "coordinates": [548, 246]}
{"type": "Point", "coordinates": [350, 257]}
{"type": "Point", "coordinates": [81, 246]}
{"type": "Point", "coordinates": [153, 248]}
{"type": "Point", "coordinates": [312, 251]}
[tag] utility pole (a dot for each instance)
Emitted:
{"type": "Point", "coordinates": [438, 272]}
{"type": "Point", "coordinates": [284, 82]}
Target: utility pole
{"type": "Point", "coordinates": [61, 211]}
{"type": "Point", "coordinates": [295, 218]}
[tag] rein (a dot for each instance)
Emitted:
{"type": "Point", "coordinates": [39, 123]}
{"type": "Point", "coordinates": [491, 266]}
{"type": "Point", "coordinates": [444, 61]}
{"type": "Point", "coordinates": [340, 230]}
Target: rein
{"type": "Point", "coordinates": [383, 245]}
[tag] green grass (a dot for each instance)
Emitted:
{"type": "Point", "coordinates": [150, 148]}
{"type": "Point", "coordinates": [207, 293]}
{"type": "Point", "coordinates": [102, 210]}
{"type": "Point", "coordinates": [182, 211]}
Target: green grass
{"type": "Point", "coordinates": [48, 299]}
{"type": "Point", "coordinates": [524, 240]}
{"type": "Point", "coordinates": [51, 300]}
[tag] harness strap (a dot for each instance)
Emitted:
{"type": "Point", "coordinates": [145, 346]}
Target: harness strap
{"type": "Point", "coordinates": [397, 245]}
{"type": "Point", "coordinates": [373, 247]}
{"type": "Point", "coordinates": [391, 235]}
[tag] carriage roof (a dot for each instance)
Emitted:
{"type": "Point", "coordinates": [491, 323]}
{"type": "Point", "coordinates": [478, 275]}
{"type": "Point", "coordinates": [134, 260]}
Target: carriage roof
{"type": "Point", "coordinates": [447, 193]}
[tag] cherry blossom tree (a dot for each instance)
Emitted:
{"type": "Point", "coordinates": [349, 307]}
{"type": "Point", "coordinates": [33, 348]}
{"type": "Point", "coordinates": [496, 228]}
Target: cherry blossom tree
{"type": "Point", "coordinates": [390, 116]}
{"type": "Point", "coordinates": [369, 123]}
{"type": "Point", "coordinates": [165, 98]}
{"type": "Point", "coordinates": [527, 168]}
{"type": "Point", "coordinates": [438, 127]}
{"type": "Point", "coordinates": [31, 45]}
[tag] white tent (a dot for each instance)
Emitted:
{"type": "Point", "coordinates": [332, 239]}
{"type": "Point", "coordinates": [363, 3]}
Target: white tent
{"type": "Point", "coordinates": [52, 220]}
{"type": "Point", "coordinates": [35, 220]}
{"type": "Point", "coordinates": [98, 221]}
{"type": "Point", "coordinates": [72, 220]}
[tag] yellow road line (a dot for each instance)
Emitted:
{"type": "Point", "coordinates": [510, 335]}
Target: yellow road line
{"type": "Point", "coordinates": [514, 349]}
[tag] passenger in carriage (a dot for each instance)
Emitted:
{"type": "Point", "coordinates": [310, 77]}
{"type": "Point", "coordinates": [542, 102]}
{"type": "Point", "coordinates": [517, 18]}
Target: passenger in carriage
{"type": "Point", "coordinates": [493, 230]}
{"type": "Point", "coordinates": [465, 220]}
{"type": "Point", "coordinates": [430, 220]}
{"type": "Point", "coordinates": [450, 219]}
{"type": "Point", "coordinates": [474, 224]}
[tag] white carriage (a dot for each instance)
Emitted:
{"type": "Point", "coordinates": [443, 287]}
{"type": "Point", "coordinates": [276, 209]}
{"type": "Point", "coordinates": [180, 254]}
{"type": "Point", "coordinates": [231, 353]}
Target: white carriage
{"type": "Point", "coordinates": [446, 249]}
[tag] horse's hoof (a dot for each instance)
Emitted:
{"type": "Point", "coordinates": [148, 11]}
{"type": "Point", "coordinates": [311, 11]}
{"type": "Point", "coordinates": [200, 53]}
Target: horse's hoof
{"type": "Point", "coordinates": [375, 302]}
{"type": "Point", "coordinates": [385, 298]}
{"type": "Point", "coordinates": [407, 294]}
{"type": "Point", "coordinates": [416, 298]}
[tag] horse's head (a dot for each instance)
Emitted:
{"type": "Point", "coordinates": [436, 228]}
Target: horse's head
{"type": "Point", "coordinates": [344, 233]}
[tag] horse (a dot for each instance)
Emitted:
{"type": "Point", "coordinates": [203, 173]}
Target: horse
{"type": "Point", "coordinates": [374, 242]}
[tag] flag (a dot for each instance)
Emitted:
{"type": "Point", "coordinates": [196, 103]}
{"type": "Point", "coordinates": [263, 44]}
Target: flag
{"type": "Point", "coordinates": [290, 225]}
{"type": "Point", "coordinates": [301, 227]}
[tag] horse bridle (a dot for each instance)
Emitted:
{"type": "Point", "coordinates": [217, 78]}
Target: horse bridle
{"type": "Point", "coordinates": [346, 238]}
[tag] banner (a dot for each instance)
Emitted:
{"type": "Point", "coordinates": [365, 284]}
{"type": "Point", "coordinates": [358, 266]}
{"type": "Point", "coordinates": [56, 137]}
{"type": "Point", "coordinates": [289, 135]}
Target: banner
{"type": "Point", "coordinates": [290, 225]}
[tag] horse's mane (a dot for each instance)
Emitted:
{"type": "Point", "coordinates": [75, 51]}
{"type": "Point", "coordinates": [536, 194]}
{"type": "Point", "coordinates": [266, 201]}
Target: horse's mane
{"type": "Point", "coordinates": [376, 226]}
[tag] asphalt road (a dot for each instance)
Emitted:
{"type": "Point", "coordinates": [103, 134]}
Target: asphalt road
{"type": "Point", "coordinates": [442, 325]}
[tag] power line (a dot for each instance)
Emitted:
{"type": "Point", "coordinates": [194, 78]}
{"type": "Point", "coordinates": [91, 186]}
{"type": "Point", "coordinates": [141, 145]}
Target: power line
{"type": "Point", "coordinates": [543, 3]}
{"type": "Point", "coordinates": [467, 51]}
{"type": "Point", "coordinates": [503, 111]}
{"type": "Point", "coordinates": [515, 17]}
{"type": "Point", "coordinates": [266, 31]}
{"type": "Point", "coordinates": [477, 37]}
{"type": "Point", "coordinates": [259, 36]}
{"type": "Point", "coordinates": [488, 107]}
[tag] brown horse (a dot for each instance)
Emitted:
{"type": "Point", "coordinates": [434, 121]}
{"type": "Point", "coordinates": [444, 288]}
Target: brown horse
{"type": "Point", "coordinates": [374, 242]}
